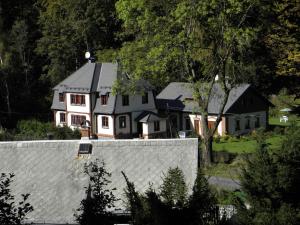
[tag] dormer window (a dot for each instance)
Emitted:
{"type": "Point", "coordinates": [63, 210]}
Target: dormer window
{"type": "Point", "coordinates": [145, 98]}
{"type": "Point", "coordinates": [104, 99]}
{"type": "Point", "coordinates": [61, 97]}
{"type": "Point", "coordinates": [77, 99]}
{"type": "Point", "coordinates": [125, 100]}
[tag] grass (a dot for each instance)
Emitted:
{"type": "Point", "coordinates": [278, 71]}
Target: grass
{"type": "Point", "coordinates": [246, 146]}
{"type": "Point", "coordinates": [224, 170]}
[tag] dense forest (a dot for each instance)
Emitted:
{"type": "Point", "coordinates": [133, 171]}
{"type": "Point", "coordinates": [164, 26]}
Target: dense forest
{"type": "Point", "coordinates": [43, 41]}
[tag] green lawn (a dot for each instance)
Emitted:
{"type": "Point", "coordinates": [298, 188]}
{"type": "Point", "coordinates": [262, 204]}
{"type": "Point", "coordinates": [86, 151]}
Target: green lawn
{"type": "Point", "coordinates": [244, 146]}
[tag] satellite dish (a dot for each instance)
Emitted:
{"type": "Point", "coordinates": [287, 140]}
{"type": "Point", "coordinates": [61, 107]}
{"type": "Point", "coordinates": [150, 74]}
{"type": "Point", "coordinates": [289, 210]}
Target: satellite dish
{"type": "Point", "coordinates": [87, 55]}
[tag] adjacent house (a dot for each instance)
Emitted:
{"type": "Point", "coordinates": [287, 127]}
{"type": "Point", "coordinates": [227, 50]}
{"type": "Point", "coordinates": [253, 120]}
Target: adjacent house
{"type": "Point", "coordinates": [85, 98]}
{"type": "Point", "coordinates": [244, 111]}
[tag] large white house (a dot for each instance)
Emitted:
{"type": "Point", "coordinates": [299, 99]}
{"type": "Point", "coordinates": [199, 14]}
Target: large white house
{"type": "Point", "coordinates": [244, 111]}
{"type": "Point", "coordinates": [86, 95]}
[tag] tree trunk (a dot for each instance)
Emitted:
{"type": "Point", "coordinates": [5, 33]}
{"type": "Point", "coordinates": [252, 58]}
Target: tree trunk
{"type": "Point", "coordinates": [7, 99]}
{"type": "Point", "coordinates": [207, 142]}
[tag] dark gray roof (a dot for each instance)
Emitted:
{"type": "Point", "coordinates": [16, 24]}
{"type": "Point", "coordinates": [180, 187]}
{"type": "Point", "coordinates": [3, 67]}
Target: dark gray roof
{"type": "Point", "coordinates": [178, 96]}
{"type": "Point", "coordinates": [147, 116]}
{"type": "Point", "coordinates": [56, 104]}
{"type": "Point", "coordinates": [80, 81]}
{"type": "Point", "coordinates": [109, 74]}
{"type": "Point", "coordinates": [106, 109]}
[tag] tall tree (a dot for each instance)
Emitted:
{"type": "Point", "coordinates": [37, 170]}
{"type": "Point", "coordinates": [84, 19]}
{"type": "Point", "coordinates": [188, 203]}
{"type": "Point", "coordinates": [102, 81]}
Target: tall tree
{"type": "Point", "coordinates": [193, 41]}
{"type": "Point", "coordinates": [70, 28]}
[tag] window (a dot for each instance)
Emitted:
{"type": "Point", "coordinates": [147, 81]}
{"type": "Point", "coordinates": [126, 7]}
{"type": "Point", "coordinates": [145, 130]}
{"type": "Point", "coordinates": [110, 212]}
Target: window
{"type": "Point", "coordinates": [77, 100]}
{"type": "Point", "coordinates": [156, 126]}
{"type": "Point", "coordinates": [77, 120]}
{"type": "Point", "coordinates": [145, 98]}
{"type": "Point", "coordinates": [61, 97]}
{"type": "Point", "coordinates": [247, 126]}
{"type": "Point", "coordinates": [257, 122]}
{"type": "Point", "coordinates": [237, 125]}
{"type": "Point", "coordinates": [125, 100]}
{"type": "Point", "coordinates": [122, 122]}
{"type": "Point", "coordinates": [62, 117]}
{"type": "Point", "coordinates": [104, 99]}
{"type": "Point", "coordinates": [105, 122]}
{"type": "Point", "coordinates": [187, 123]}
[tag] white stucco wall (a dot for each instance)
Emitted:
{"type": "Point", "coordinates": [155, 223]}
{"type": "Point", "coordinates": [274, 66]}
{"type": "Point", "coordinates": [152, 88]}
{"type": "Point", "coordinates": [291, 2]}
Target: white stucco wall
{"type": "Point", "coordinates": [107, 131]}
{"type": "Point", "coordinates": [125, 130]}
{"type": "Point", "coordinates": [149, 128]}
{"type": "Point", "coordinates": [194, 117]}
{"type": "Point", "coordinates": [78, 108]}
{"type": "Point", "coordinates": [243, 120]}
{"type": "Point", "coordinates": [135, 104]}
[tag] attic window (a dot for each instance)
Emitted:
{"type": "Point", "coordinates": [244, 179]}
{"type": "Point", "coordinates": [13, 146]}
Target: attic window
{"type": "Point", "coordinates": [61, 97]}
{"type": "Point", "coordinates": [85, 148]}
{"type": "Point", "coordinates": [77, 100]}
{"type": "Point", "coordinates": [145, 98]}
{"type": "Point", "coordinates": [104, 99]}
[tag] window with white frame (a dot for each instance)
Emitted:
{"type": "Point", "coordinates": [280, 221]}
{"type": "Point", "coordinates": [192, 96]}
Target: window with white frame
{"type": "Point", "coordinates": [125, 100]}
{"type": "Point", "coordinates": [257, 122]}
{"type": "Point", "coordinates": [62, 117]}
{"type": "Point", "coordinates": [77, 120]}
{"type": "Point", "coordinates": [156, 126]}
{"type": "Point", "coordinates": [77, 99]}
{"type": "Point", "coordinates": [247, 124]}
{"type": "Point", "coordinates": [105, 123]}
{"type": "Point", "coordinates": [122, 122]}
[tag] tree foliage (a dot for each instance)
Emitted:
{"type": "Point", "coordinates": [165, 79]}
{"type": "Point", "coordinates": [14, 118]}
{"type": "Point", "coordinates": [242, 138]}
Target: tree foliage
{"type": "Point", "coordinates": [10, 212]}
{"type": "Point", "coordinates": [271, 184]}
{"type": "Point", "coordinates": [95, 208]}
{"type": "Point", "coordinates": [70, 28]}
{"type": "Point", "coordinates": [191, 41]}
{"type": "Point", "coordinates": [152, 208]}
{"type": "Point", "coordinates": [173, 189]}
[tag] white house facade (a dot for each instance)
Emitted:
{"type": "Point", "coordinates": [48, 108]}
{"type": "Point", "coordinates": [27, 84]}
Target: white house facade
{"type": "Point", "coordinates": [86, 95]}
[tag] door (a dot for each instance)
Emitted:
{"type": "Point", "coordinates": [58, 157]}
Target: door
{"type": "Point", "coordinates": [140, 129]}
{"type": "Point", "coordinates": [196, 126]}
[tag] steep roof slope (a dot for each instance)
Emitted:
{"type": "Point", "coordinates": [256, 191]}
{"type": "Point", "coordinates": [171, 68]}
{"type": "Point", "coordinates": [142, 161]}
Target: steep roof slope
{"type": "Point", "coordinates": [179, 96]}
{"type": "Point", "coordinates": [80, 81]}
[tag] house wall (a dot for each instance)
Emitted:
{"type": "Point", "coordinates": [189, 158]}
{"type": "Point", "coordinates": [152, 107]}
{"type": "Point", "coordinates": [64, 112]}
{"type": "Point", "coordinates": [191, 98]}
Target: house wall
{"type": "Point", "coordinates": [78, 108]}
{"type": "Point", "coordinates": [105, 131]}
{"type": "Point", "coordinates": [149, 128]}
{"type": "Point", "coordinates": [243, 119]}
{"type": "Point", "coordinates": [125, 130]}
{"type": "Point", "coordinates": [135, 104]}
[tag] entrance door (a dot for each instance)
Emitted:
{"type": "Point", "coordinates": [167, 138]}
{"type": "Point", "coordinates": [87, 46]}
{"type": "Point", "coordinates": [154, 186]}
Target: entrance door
{"type": "Point", "coordinates": [196, 126]}
{"type": "Point", "coordinates": [211, 125]}
{"type": "Point", "coordinates": [140, 129]}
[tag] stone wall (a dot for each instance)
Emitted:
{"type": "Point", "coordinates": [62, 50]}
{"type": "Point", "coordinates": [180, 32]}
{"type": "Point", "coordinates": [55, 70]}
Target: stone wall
{"type": "Point", "coordinates": [52, 172]}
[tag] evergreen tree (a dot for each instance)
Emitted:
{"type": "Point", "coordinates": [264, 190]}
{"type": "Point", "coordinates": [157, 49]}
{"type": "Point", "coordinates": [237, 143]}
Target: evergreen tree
{"type": "Point", "coordinates": [271, 184]}
{"type": "Point", "coordinates": [10, 213]}
{"type": "Point", "coordinates": [174, 190]}
{"type": "Point", "coordinates": [95, 208]}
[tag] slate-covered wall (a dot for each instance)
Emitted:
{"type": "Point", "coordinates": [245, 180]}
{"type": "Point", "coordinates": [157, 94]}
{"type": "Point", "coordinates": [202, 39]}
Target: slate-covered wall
{"type": "Point", "coordinates": [53, 174]}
